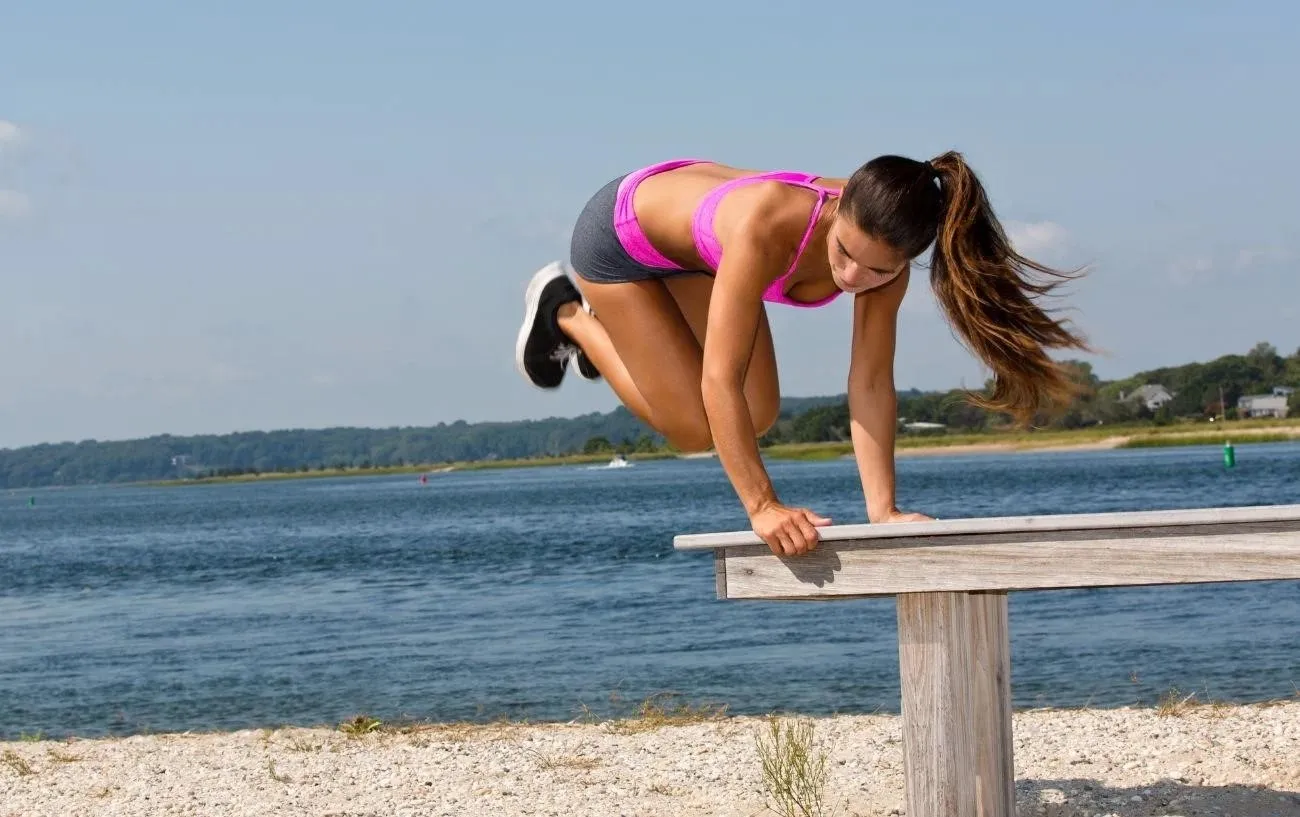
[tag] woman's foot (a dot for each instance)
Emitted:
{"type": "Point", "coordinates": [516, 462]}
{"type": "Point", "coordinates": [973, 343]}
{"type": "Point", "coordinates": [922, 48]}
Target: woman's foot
{"type": "Point", "coordinates": [542, 351]}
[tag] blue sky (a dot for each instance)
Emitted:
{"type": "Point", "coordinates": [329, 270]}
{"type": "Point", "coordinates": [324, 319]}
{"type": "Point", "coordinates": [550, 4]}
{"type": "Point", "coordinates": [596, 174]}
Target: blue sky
{"type": "Point", "coordinates": [292, 214]}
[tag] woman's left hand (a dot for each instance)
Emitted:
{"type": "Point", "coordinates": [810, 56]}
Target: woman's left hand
{"type": "Point", "coordinates": [895, 515]}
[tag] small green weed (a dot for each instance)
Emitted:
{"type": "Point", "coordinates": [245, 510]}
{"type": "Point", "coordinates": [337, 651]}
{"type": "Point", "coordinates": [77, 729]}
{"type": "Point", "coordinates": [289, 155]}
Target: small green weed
{"type": "Point", "coordinates": [15, 761]}
{"type": "Point", "coordinates": [794, 772]}
{"type": "Point", "coordinates": [654, 713]}
{"type": "Point", "coordinates": [276, 776]}
{"type": "Point", "coordinates": [360, 725]}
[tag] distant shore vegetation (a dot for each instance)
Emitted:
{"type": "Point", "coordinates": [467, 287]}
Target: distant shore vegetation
{"type": "Point", "coordinates": [1251, 397]}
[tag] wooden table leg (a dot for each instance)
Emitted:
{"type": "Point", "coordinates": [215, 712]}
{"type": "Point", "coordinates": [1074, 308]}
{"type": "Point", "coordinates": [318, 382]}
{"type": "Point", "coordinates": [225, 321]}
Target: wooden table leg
{"type": "Point", "coordinates": [955, 666]}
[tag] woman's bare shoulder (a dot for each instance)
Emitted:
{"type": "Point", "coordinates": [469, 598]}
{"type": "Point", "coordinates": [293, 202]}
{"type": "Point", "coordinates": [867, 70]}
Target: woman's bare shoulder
{"type": "Point", "coordinates": [770, 211]}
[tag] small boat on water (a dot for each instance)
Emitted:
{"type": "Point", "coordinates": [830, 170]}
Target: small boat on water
{"type": "Point", "coordinates": [618, 461]}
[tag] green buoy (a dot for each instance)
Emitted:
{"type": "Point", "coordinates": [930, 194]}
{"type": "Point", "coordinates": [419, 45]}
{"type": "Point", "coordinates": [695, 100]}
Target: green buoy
{"type": "Point", "coordinates": [1229, 456]}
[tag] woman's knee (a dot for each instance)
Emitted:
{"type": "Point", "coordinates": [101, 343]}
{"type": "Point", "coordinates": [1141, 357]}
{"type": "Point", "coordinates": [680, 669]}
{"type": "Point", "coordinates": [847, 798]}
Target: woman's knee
{"type": "Point", "coordinates": [692, 436]}
{"type": "Point", "coordinates": [763, 395]}
{"type": "Point", "coordinates": [696, 436]}
{"type": "Point", "coordinates": [764, 416]}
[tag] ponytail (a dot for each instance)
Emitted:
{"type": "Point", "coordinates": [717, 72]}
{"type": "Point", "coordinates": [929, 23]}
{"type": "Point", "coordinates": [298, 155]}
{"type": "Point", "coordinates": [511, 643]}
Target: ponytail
{"type": "Point", "coordinates": [987, 294]}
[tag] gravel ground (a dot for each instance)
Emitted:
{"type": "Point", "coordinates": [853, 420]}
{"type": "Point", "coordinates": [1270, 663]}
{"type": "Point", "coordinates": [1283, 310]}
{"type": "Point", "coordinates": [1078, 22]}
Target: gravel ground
{"type": "Point", "coordinates": [1204, 760]}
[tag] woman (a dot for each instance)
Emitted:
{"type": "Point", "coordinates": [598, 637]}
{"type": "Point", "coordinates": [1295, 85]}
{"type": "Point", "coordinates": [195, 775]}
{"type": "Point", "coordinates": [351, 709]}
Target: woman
{"type": "Point", "coordinates": [676, 260]}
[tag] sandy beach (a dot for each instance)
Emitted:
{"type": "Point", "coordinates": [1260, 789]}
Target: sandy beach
{"type": "Point", "coordinates": [1235, 761]}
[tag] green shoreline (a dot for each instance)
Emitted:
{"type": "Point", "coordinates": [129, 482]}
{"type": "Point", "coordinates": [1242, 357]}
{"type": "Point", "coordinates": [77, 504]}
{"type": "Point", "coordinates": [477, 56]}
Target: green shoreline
{"type": "Point", "coordinates": [1094, 438]}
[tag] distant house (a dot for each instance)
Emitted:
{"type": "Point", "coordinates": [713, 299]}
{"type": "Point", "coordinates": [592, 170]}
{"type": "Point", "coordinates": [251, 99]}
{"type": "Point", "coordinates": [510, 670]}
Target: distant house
{"type": "Point", "coordinates": [1283, 391]}
{"type": "Point", "coordinates": [1263, 405]}
{"type": "Point", "coordinates": [1152, 396]}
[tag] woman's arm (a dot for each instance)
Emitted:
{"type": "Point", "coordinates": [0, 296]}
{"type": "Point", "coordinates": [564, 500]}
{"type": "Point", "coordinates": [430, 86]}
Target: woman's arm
{"type": "Point", "coordinates": [752, 258]}
{"type": "Point", "coordinates": [873, 401]}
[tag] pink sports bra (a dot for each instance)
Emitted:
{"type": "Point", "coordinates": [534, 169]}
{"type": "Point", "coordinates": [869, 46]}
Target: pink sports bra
{"type": "Point", "coordinates": [706, 241]}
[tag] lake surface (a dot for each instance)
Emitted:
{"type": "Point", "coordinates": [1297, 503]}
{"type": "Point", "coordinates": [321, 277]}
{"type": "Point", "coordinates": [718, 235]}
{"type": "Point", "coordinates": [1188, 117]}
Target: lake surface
{"type": "Point", "coordinates": [547, 593]}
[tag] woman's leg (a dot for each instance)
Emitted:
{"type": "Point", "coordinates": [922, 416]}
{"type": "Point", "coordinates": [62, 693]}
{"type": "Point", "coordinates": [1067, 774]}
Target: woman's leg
{"type": "Point", "coordinates": [762, 388]}
{"type": "Point", "coordinates": [646, 338]}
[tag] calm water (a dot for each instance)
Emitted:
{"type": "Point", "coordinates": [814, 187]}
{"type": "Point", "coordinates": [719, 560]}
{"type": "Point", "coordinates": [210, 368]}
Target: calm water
{"type": "Point", "coordinates": [536, 593]}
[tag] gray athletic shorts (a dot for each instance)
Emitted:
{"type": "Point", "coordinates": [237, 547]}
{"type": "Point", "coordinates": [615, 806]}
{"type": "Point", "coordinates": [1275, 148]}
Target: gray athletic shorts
{"type": "Point", "coordinates": [595, 251]}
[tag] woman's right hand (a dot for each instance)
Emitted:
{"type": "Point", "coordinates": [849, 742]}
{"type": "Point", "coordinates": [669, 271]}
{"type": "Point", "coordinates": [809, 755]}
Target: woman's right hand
{"type": "Point", "coordinates": [788, 531]}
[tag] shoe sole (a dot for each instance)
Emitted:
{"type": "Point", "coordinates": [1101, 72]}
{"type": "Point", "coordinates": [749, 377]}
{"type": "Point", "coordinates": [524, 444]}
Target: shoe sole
{"type": "Point", "coordinates": [586, 307]}
{"type": "Point", "coordinates": [577, 367]}
{"type": "Point", "coordinates": [532, 296]}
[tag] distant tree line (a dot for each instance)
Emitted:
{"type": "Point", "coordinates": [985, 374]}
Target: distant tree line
{"type": "Point", "coordinates": [1195, 388]}
{"type": "Point", "coordinates": [167, 456]}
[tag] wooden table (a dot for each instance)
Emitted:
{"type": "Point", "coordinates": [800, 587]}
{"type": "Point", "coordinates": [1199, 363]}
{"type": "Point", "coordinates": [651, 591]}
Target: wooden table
{"type": "Point", "coordinates": [951, 580]}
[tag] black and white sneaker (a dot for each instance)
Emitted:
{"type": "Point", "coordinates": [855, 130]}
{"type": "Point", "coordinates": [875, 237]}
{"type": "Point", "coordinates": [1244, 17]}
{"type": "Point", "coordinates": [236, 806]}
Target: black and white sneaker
{"type": "Point", "coordinates": [542, 352]}
{"type": "Point", "coordinates": [585, 367]}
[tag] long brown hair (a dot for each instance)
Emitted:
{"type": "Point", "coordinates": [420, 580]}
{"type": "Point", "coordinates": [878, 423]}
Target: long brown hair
{"type": "Point", "coordinates": [984, 286]}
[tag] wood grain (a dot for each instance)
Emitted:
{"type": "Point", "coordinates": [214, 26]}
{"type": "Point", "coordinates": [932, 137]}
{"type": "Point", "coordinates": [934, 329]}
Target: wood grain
{"type": "Point", "coordinates": [990, 702]}
{"type": "Point", "coordinates": [938, 740]}
{"type": "Point", "coordinates": [1014, 524]}
{"type": "Point", "coordinates": [954, 662]}
{"type": "Point", "coordinates": [1013, 562]}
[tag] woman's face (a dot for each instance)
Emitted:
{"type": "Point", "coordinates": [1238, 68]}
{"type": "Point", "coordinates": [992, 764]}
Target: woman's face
{"type": "Point", "coordinates": [859, 262]}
